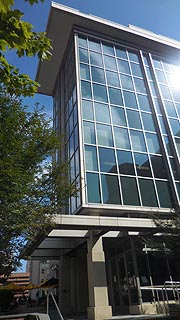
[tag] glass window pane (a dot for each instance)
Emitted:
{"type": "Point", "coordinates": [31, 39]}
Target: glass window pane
{"type": "Point", "coordinates": [96, 59]}
{"type": "Point", "coordinates": [121, 53]}
{"type": "Point", "coordinates": [138, 143]}
{"type": "Point", "coordinates": [134, 119]}
{"type": "Point", "coordinates": [86, 89]}
{"type": "Point", "coordinates": [164, 194]}
{"type": "Point", "coordinates": [89, 135]}
{"type": "Point", "coordinates": [94, 45]}
{"type": "Point", "coordinates": [107, 160]}
{"type": "Point", "coordinates": [123, 66]}
{"type": "Point", "coordinates": [121, 138]}
{"type": "Point", "coordinates": [87, 109]}
{"type": "Point", "coordinates": [82, 42]}
{"type": "Point", "coordinates": [102, 112]}
{"type": "Point", "coordinates": [110, 63]}
{"type": "Point", "coordinates": [108, 49]}
{"type": "Point", "coordinates": [118, 116]}
{"type": "Point", "coordinates": [174, 168]}
{"type": "Point", "coordinates": [161, 76]}
{"type": "Point", "coordinates": [176, 94]}
{"type": "Point", "coordinates": [162, 124]}
{"type": "Point", "coordinates": [148, 122]}
{"type": "Point", "coordinates": [83, 55]}
{"type": "Point", "coordinates": [175, 127]}
{"type": "Point", "coordinates": [165, 92]}
{"type": "Point", "coordinates": [104, 135]}
{"type": "Point", "coordinates": [126, 82]}
{"type": "Point", "coordinates": [115, 96]}
{"type": "Point", "coordinates": [148, 193]}
{"type": "Point", "coordinates": [112, 78]}
{"type": "Point", "coordinates": [170, 109]}
{"type": "Point", "coordinates": [140, 85]}
{"type": "Point", "coordinates": [110, 189]}
{"type": "Point", "coordinates": [136, 70]}
{"type": "Point", "coordinates": [130, 100]}
{"type": "Point", "coordinates": [177, 141]}
{"type": "Point", "coordinates": [97, 75]}
{"type": "Point", "coordinates": [152, 142]}
{"type": "Point", "coordinates": [157, 105]}
{"type": "Point", "coordinates": [159, 167]}
{"type": "Point", "coordinates": [168, 145]}
{"type": "Point", "coordinates": [142, 165]}
{"type": "Point", "coordinates": [100, 93]}
{"type": "Point", "coordinates": [133, 56]}
{"type": "Point", "coordinates": [125, 162]}
{"type": "Point", "coordinates": [91, 158]}
{"type": "Point", "coordinates": [129, 191]}
{"type": "Point", "coordinates": [93, 193]}
{"type": "Point", "coordinates": [84, 70]}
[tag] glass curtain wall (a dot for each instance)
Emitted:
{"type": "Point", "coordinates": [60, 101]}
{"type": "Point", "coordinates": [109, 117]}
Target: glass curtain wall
{"type": "Point", "coordinates": [124, 160]}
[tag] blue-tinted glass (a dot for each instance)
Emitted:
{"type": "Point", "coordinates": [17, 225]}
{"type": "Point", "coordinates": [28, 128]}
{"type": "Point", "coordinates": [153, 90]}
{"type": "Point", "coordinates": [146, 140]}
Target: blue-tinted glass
{"type": "Point", "coordinates": [82, 42]}
{"type": "Point", "coordinates": [121, 138]}
{"type": "Point", "coordinates": [112, 78]}
{"type": "Point", "coordinates": [157, 63]}
{"type": "Point", "coordinates": [165, 92]}
{"type": "Point", "coordinates": [126, 82]}
{"type": "Point", "coordinates": [110, 63]}
{"type": "Point", "coordinates": [138, 143]}
{"type": "Point", "coordinates": [142, 165]}
{"type": "Point", "coordinates": [168, 67]}
{"type": "Point", "coordinates": [176, 94]}
{"type": "Point", "coordinates": [77, 162]}
{"type": "Point", "coordinates": [71, 145]}
{"type": "Point", "coordinates": [102, 112]}
{"type": "Point", "coordinates": [118, 116]}
{"type": "Point", "coordinates": [133, 56]}
{"type": "Point", "coordinates": [75, 115]}
{"type": "Point", "coordinates": [125, 162]}
{"type": "Point", "coordinates": [164, 194]}
{"type": "Point", "coordinates": [153, 89]}
{"type": "Point", "coordinates": [87, 109]}
{"type": "Point", "coordinates": [178, 108]}
{"type": "Point", "coordinates": [145, 58]}
{"type": "Point", "coordinates": [104, 135]}
{"type": "Point", "coordinates": [170, 109]}
{"type": "Point", "coordinates": [108, 49]}
{"type": "Point", "coordinates": [175, 127]}
{"type": "Point", "coordinates": [134, 119]}
{"type": "Point", "coordinates": [86, 89]}
{"type": "Point", "coordinates": [168, 145]}
{"type": "Point", "coordinates": [161, 76]}
{"type": "Point", "coordinates": [121, 53]}
{"type": "Point", "coordinates": [97, 75]}
{"type": "Point", "coordinates": [129, 191]}
{"type": "Point", "coordinates": [177, 141]}
{"type": "Point", "coordinates": [147, 193]}
{"type": "Point", "coordinates": [159, 167]}
{"type": "Point", "coordinates": [144, 102]}
{"type": "Point", "coordinates": [107, 160]}
{"type": "Point", "coordinates": [84, 70]}
{"type": "Point", "coordinates": [96, 59]}
{"type": "Point", "coordinates": [140, 86]}
{"type": "Point", "coordinates": [130, 100]}
{"type": "Point", "coordinates": [91, 158]}
{"type": "Point", "coordinates": [153, 144]}
{"type": "Point", "coordinates": [157, 104]}
{"type": "Point", "coordinates": [123, 66]}
{"type": "Point", "coordinates": [89, 135]}
{"type": "Point", "coordinates": [110, 189]}
{"type": "Point", "coordinates": [83, 55]}
{"type": "Point", "coordinates": [149, 74]}
{"type": "Point", "coordinates": [100, 93]}
{"type": "Point", "coordinates": [161, 120]}
{"type": "Point", "coordinates": [115, 96]}
{"type": "Point", "coordinates": [93, 191]}
{"type": "Point", "coordinates": [148, 122]}
{"type": "Point", "coordinates": [136, 70]}
{"type": "Point", "coordinates": [94, 45]}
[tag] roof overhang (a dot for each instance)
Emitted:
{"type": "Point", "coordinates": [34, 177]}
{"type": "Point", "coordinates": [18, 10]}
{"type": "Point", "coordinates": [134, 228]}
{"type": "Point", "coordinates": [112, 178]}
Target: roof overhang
{"type": "Point", "coordinates": [71, 231]}
{"type": "Point", "coordinates": [63, 19]}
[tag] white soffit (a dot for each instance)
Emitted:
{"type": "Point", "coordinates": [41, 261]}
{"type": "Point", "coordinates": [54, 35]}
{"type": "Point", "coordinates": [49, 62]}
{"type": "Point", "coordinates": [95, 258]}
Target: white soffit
{"type": "Point", "coordinates": [61, 21]}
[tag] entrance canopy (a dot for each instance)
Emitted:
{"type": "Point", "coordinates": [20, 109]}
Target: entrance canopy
{"type": "Point", "coordinates": [72, 231]}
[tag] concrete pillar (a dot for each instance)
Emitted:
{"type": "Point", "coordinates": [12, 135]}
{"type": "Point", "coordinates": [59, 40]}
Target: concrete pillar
{"type": "Point", "coordinates": [97, 283]}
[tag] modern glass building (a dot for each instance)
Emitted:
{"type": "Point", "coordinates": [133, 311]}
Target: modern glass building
{"type": "Point", "coordinates": [116, 96]}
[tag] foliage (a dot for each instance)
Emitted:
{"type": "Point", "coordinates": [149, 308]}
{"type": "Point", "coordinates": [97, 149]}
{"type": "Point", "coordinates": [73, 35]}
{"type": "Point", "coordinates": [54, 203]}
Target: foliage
{"type": "Point", "coordinates": [32, 188]}
{"type": "Point", "coordinates": [18, 35]}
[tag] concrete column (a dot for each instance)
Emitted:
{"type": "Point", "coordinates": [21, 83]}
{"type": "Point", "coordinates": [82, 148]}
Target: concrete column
{"type": "Point", "coordinates": [97, 283]}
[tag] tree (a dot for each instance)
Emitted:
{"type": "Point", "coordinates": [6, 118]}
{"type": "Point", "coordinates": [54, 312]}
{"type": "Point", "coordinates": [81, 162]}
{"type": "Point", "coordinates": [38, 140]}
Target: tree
{"type": "Point", "coordinates": [18, 35]}
{"type": "Point", "coordinates": [32, 188]}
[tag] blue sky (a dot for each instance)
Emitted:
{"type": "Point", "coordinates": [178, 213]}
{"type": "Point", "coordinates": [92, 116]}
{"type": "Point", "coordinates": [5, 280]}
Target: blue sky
{"type": "Point", "coordinates": [159, 16]}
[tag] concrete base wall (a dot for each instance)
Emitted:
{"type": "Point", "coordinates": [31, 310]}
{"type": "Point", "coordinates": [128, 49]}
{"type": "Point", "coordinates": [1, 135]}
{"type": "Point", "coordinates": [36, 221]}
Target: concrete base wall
{"type": "Point", "coordinates": [99, 313]}
{"type": "Point", "coordinates": [148, 308]}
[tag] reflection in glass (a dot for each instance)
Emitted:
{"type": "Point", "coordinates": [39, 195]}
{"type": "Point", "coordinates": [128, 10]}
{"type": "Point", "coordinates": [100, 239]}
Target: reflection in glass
{"type": "Point", "coordinates": [125, 162]}
{"type": "Point", "coordinates": [148, 122]}
{"type": "Point", "coordinates": [177, 141]}
{"type": "Point", "coordinates": [112, 78]}
{"type": "Point", "coordinates": [129, 191]}
{"type": "Point", "coordinates": [86, 89]}
{"type": "Point", "coordinates": [148, 193]}
{"type": "Point", "coordinates": [118, 116]}
{"type": "Point", "coordinates": [102, 112]}
{"type": "Point", "coordinates": [100, 93]}
{"type": "Point", "coordinates": [142, 165]}
{"type": "Point", "coordinates": [110, 189]}
{"type": "Point", "coordinates": [126, 82]}
{"type": "Point", "coordinates": [161, 76]}
{"type": "Point", "coordinates": [97, 75]}
{"type": "Point", "coordinates": [165, 92]}
{"type": "Point", "coordinates": [136, 70]}
{"type": "Point", "coordinates": [82, 42]}
{"type": "Point", "coordinates": [84, 70]}
{"type": "Point", "coordinates": [138, 143]}
{"type": "Point", "coordinates": [89, 135]}
{"type": "Point", "coordinates": [108, 49]}
{"type": "Point", "coordinates": [134, 119]}
{"type": "Point", "coordinates": [133, 56]}
{"type": "Point", "coordinates": [123, 66]}
{"type": "Point", "coordinates": [130, 100]}
{"type": "Point", "coordinates": [83, 55]}
{"type": "Point", "coordinates": [91, 158]}
{"type": "Point", "coordinates": [107, 160]}
{"type": "Point", "coordinates": [140, 85]}
{"type": "Point", "coordinates": [104, 135]}
{"type": "Point", "coordinates": [175, 126]}
{"type": "Point", "coordinates": [94, 45]}
{"type": "Point", "coordinates": [110, 63]}
{"type": "Point", "coordinates": [121, 138]}
{"type": "Point", "coordinates": [96, 59]}
{"type": "Point", "coordinates": [174, 168]}
{"type": "Point", "coordinates": [121, 53]}
{"type": "Point", "coordinates": [164, 194]}
{"type": "Point", "coordinates": [159, 167]}
{"type": "Point", "coordinates": [93, 191]}
{"type": "Point", "coordinates": [152, 142]}
{"type": "Point", "coordinates": [170, 109]}
{"type": "Point", "coordinates": [87, 109]}
{"type": "Point", "coordinates": [115, 96]}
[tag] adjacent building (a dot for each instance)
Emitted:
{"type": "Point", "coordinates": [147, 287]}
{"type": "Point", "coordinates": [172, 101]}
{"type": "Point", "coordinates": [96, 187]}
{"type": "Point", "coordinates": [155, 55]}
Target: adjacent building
{"type": "Point", "coordinates": [116, 94]}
